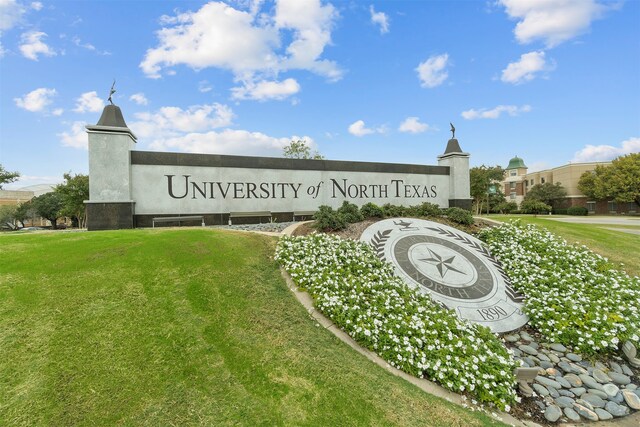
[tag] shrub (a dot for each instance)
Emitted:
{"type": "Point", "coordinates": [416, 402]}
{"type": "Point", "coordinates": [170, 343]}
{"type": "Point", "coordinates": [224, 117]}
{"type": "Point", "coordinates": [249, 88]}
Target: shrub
{"type": "Point", "coordinates": [428, 209]}
{"type": "Point", "coordinates": [577, 210]}
{"type": "Point", "coordinates": [394, 210]}
{"type": "Point", "coordinates": [506, 207]}
{"type": "Point", "coordinates": [326, 219]}
{"type": "Point", "coordinates": [534, 207]}
{"type": "Point", "coordinates": [371, 210]}
{"type": "Point", "coordinates": [350, 212]}
{"type": "Point", "coordinates": [562, 211]}
{"type": "Point", "coordinates": [461, 216]}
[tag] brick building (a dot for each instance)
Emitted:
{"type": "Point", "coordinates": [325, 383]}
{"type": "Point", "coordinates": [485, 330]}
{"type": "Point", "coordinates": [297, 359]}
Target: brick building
{"type": "Point", "coordinates": [517, 181]}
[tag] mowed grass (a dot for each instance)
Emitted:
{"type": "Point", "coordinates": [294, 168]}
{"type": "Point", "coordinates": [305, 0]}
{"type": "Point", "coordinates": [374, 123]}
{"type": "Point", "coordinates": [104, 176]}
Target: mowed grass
{"type": "Point", "coordinates": [179, 327]}
{"type": "Point", "coordinates": [618, 246]}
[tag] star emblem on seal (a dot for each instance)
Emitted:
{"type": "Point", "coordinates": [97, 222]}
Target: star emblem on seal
{"type": "Point", "coordinates": [442, 264]}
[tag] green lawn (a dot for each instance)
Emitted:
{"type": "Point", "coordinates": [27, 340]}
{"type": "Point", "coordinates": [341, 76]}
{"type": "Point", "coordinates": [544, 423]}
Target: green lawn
{"type": "Point", "coordinates": [179, 327]}
{"type": "Point", "coordinates": [617, 246]}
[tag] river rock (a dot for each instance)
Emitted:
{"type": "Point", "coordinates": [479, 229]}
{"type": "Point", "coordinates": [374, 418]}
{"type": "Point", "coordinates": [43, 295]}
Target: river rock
{"type": "Point", "coordinates": [571, 414]}
{"type": "Point", "coordinates": [618, 398]}
{"type": "Point", "coordinates": [574, 357]}
{"type": "Point", "coordinates": [629, 350]}
{"type": "Point", "coordinates": [601, 366]}
{"type": "Point", "coordinates": [528, 349]}
{"type": "Point", "coordinates": [544, 364]}
{"type": "Point", "coordinates": [525, 336]}
{"type": "Point", "coordinates": [626, 370]}
{"type": "Point", "coordinates": [564, 402]}
{"type": "Point", "coordinates": [611, 389]}
{"type": "Point", "coordinates": [595, 401]}
{"type": "Point", "coordinates": [567, 393]}
{"type": "Point", "coordinates": [632, 399]}
{"type": "Point", "coordinates": [541, 390]}
{"type": "Point", "coordinates": [558, 347]}
{"type": "Point", "coordinates": [542, 357]}
{"type": "Point", "coordinates": [512, 338]}
{"type": "Point", "coordinates": [600, 376]}
{"type": "Point", "coordinates": [573, 379]}
{"type": "Point", "coordinates": [616, 410]}
{"type": "Point", "coordinates": [631, 387]}
{"type": "Point", "coordinates": [564, 383]}
{"type": "Point", "coordinates": [578, 391]}
{"type": "Point", "coordinates": [619, 379]}
{"type": "Point", "coordinates": [615, 367]}
{"type": "Point", "coordinates": [602, 414]}
{"type": "Point", "coordinates": [516, 352]}
{"type": "Point", "coordinates": [553, 358]}
{"type": "Point", "coordinates": [552, 413]}
{"type": "Point", "coordinates": [548, 382]}
{"type": "Point", "coordinates": [590, 382]}
{"type": "Point", "coordinates": [565, 367]}
{"type": "Point", "coordinates": [578, 369]}
{"type": "Point", "coordinates": [585, 412]}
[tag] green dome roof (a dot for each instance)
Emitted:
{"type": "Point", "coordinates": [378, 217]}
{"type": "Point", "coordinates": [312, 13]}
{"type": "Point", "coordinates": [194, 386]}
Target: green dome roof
{"type": "Point", "coordinates": [516, 163]}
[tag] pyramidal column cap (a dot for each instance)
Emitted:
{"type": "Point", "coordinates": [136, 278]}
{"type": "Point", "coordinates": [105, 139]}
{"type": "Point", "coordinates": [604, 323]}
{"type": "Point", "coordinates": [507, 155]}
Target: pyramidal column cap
{"type": "Point", "coordinates": [453, 147]}
{"type": "Point", "coordinates": [111, 120]}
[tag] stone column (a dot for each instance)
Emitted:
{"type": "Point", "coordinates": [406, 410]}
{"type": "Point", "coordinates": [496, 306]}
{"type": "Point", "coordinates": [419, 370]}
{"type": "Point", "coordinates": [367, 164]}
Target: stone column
{"type": "Point", "coordinates": [110, 205]}
{"type": "Point", "coordinates": [459, 179]}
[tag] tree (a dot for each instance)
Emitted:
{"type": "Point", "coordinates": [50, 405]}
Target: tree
{"type": "Point", "coordinates": [534, 207]}
{"type": "Point", "coordinates": [481, 178]}
{"type": "Point", "coordinates": [8, 215]}
{"type": "Point", "coordinates": [7, 177]}
{"type": "Point", "coordinates": [25, 210]}
{"type": "Point", "coordinates": [619, 181]}
{"type": "Point", "coordinates": [73, 192]}
{"type": "Point", "coordinates": [300, 150]}
{"type": "Point", "coordinates": [547, 193]}
{"type": "Point", "coordinates": [48, 206]}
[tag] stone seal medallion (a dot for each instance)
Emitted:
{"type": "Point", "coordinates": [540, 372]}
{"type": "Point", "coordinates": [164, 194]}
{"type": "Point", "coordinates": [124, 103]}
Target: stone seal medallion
{"type": "Point", "coordinates": [453, 267]}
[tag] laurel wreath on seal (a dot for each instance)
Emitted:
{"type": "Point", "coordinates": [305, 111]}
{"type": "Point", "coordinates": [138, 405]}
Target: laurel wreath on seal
{"type": "Point", "coordinates": [378, 241]}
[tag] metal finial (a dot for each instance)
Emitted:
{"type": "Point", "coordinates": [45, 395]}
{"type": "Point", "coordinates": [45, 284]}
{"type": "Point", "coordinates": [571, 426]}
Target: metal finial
{"type": "Point", "coordinates": [112, 91]}
{"type": "Point", "coordinates": [453, 131]}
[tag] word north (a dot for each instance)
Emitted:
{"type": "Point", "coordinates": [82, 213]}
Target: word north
{"type": "Point", "coordinates": [184, 187]}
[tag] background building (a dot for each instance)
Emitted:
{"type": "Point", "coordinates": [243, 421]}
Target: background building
{"type": "Point", "coordinates": [517, 182]}
{"type": "Point", "coordinates": [24, 194]}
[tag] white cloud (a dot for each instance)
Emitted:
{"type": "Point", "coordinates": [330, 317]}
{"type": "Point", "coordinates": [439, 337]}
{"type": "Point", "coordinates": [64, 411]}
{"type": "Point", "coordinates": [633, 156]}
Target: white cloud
{"type": "Point", "coordinates": [265, 90]}
{"type": "Point", "coordinates": [76, 40]}
{"type": "Point", "coordinates": [228, 141]}
{"type": "Point", "coordinates": [57, 112]}
{"type": "Point", "coordinates": [358, 128]}
{"type": "Point", "coordinates": [174, 121]}
{"type": "Point", "coordinates": [602, 153]}
{"type": "Point", "coordinates": [413, 125]}
{"type": "Point", "coordinates": [204, 86]}
{"type": "Point", "coordinates": [553, 21]}
{"type": "Point", "coordinates": [89, 102]}
{"type": "Point", "coordinates": [37, 100]}
{"type": "Point", "coordinates": [246, 42]}
{"type": "Point", "coordinates": [381, 19]}
{"type": "Point", "coordinates": [139, 98]}
{"type": "Point", "coordinates": [76, 137]}
{"type": "Point", "coordinates": [10, 14]}
{"type": "Point", "coordinates": [512, 110]}
{"type": "Point", "coordinates": [31, 45]}
{"type": "Point", "coordinates": [36, 5]}
{"type": "Point", "coordinates": [432, 72]}
{"type": "Point", "coordinates": [525, 69]}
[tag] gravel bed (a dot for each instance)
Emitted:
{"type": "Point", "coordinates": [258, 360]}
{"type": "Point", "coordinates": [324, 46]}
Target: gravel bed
{"type": "Point", "coordinates": [275, 227]}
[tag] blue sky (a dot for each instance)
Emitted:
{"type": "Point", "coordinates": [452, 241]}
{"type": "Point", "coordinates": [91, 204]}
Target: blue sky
{"type": "Point", "coordinates": [551, 81]}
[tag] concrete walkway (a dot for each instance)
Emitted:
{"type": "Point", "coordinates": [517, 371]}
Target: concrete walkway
{"type": "Point", "coordinates": [607, 220]}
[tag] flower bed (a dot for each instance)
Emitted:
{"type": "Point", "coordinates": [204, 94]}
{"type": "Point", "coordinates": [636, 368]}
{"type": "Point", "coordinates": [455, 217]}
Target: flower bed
{"type": "Point", "coordinates": [573, 296]}
{"type": "Point", "coordinates": [361, 295]}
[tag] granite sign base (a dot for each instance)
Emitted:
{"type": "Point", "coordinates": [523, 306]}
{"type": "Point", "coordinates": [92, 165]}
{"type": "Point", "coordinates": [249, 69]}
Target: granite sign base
{"type": "Point", "coordinates": [109, 215]}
